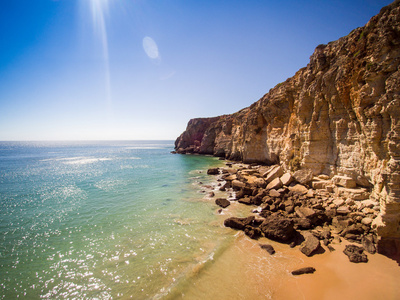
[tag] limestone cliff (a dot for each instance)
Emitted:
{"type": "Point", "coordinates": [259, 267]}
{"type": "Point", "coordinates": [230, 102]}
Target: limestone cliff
{"type": "Point", "coordinates": [338, 115]}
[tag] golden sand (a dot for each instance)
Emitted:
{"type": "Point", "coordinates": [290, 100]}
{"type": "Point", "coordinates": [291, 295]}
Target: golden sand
{"type": "Point", "coordinates": [245, 271]}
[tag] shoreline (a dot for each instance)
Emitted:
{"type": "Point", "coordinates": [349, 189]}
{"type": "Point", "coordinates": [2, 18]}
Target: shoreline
{"type": "Point", "coordinates": [244, 270]}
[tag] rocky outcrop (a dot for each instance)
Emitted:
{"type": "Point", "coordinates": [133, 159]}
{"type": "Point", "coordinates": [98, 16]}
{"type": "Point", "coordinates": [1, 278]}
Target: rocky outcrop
{"type": "Point", "coordinates": [299, 215]}
{"type": "Point", "coordinates": [338, 116]}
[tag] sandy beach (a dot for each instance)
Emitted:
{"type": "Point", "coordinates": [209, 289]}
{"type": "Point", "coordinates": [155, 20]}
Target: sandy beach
{"type": "Point", "coordinates": [245, 271]}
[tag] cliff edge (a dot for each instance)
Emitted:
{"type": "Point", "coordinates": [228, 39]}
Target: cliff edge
{"type": "Point", "coordinates": [340, 115]}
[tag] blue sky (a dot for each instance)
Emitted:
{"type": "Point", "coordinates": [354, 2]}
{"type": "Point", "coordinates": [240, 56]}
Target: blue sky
{"type": "Point", "coordinates": [140, 69]}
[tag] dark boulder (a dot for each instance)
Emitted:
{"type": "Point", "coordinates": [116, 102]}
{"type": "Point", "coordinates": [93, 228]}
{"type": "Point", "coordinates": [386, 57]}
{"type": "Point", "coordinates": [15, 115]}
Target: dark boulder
{"type": "Point", "coordinates": [311, 244]}
{"type": "Point", "coordinates": [341, 222]}
{"type": "Point", "coordinates": [238, 223]}
{"type": "Point", "coordinates": [239, 194]}
{"type": "Point", "coordinates": [307, 270]}
{"type": "Point", "coordinates": [356, 229]}
{"type": "Point", "coordinates": [305, 212]}
{"type": "Point", "coordinates": [302, 223]}
{"type": "Point", "coordinates": [224, 187]}
{"type": "Point", "coordinates": [257, 199]}
{"type": "Point", "coordinates": [355, 254]}
{"type": "Point", "coordinates": [268, 248]}
{"type": "Point", "coordinates": [368, 244]}
{"type": "Point", "coordinates": [222, 202]}
{"type": "Point", "coordinates": [213, 171]}
{"type": "Point", "coordinates": [277, 227]}
{"type": "Point", "coordinates": [325, 235]}
{"type": "Point", "coordinates": [289, 209]}
{"type": "Point", "coordinates": [252, 232]}
{"type": "Point", "coordinates": [246, 200]}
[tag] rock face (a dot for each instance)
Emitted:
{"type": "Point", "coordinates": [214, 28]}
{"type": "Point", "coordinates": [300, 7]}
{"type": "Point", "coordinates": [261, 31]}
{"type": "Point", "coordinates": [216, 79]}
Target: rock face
{"type": "Point", "coordinates": [340, 115]}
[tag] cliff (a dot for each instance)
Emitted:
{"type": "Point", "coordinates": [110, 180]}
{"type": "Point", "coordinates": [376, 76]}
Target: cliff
{"type": "Point", "coordinates": [340, 115]}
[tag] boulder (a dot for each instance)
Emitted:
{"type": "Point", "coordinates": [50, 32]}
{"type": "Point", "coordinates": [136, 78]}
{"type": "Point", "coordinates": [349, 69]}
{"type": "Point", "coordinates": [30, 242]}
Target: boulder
{"type": "Point", "coordinates": [274, 193]}
{"type": "Point", "coordinates": [344, 181]}
{"type": "Point", "coordinates": [366, 221]}
{"type": "Point", "coordinates": [310, 245]}
{"type": "Point", "coordinates": [307, 270]}
{"type": "Point", "coordinates": [268, 248]}
{"type": "Point", "coordinates": [246, 200]}
{"type": "Point", "coordinates": [355, 254]}
{"type": "Point", "coordinates": [310, 193]}
{"type": "Point", "coordinates": [369, 203]}
{"type": "Point", "coordinates": [330, 188]}
{"type": "Point", "coordinates": [343, 210]}
{"type": "Point", "coordinates": [213, 171]}
{"type": "Point", "coordinates": [368, 244]}
{"type": "Point", "coordinates": [289, 209]}
{"type": "Point", "coordinates": [325, 234]}
{"type": "Point", "coordinates": [341, 222]}
{"type": "Point", "coordinates": [257, 199]}
{"type": "Point", "coordinates": [302, 223]}
{"type": "Point", "coordinates": [222, 202]}
{"type": "Point", "coordinates": [260, 182]}
{"type": "Point", "coordinates": [355, 194]}
{"type": "Point", "coordinates": [274, 184]}
{"type": "Point", "coordinates": [229, 170]}
{"type": "Point", "coordinates": [224, 187]}
{"type": "Point", "coordinates": [264, 170]}
{"type": "Point", "coordinates": [320, 184]}
{"type": "Point", "coordinates": [238, 223]}
{"type": "Point", "coordinates": [252, 232]}
{"type": "Point", "coordinates": [286, 179]}
{"type": "Point", "coordinates": [303, 176]}
{"type": "Point", "coordinates": [230, 177]}
{"type": "Point", "coordinates": [277, 227]}
{"type": "Point", "coordinates": [353, 233]}
{"type": "Point", "coordinates": [237, 185]}
{"type": "Point", "coordinates": [305, 212]}
{"type": "Point", "coordinates": [276, 172]}
{"type": "Point", "coordinates": [298, 189]}
{"type": "Point", "coordinates": [338, 202]}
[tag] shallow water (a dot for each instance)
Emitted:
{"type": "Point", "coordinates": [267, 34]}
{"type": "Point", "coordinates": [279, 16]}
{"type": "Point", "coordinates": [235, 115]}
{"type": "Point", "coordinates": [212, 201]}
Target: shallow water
{"type": "Point", "coordinates": [103, 219]}
{"type": "Point", "coordinates": [121, 220]}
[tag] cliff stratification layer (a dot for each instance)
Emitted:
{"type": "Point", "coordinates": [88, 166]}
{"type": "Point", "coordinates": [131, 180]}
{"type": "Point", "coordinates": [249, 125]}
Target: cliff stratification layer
{"type": "Point", "coordinates": [340, 115]}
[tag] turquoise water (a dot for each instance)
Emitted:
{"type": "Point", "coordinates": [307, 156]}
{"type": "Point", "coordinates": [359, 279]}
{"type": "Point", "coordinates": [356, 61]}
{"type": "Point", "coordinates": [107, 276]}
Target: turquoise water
{"type": "Point", "coordinates": [102, 220]}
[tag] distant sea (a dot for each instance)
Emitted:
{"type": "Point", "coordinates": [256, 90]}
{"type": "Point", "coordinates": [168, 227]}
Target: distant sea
{"type": "Point", "coordinates": [103, 220]}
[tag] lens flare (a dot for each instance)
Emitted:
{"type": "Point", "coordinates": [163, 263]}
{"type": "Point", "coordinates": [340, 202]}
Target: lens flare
{"type": "Point", "coordinates": [150, 47]}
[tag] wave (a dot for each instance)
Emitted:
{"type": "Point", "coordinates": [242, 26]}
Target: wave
{"type": "Point", "coordinates": [86, 160]}
{"type": "Point", "coordinates": [182, 284]}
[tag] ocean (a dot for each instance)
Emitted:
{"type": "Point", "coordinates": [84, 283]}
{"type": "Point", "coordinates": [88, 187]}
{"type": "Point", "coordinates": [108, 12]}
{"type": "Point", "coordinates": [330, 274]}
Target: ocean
{"type": "Point", "coordinates": [104, 220]}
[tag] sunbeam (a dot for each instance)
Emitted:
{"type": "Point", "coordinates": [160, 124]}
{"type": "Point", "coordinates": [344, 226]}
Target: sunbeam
{"type": "Point", "coordinates": [99, 9]}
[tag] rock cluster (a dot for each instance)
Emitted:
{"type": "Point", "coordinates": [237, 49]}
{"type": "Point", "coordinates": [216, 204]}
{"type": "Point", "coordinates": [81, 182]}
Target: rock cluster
{"type": "Point", "coordinates": [339, 115]}
{"type": "Point", "coordinates": [318, 210]}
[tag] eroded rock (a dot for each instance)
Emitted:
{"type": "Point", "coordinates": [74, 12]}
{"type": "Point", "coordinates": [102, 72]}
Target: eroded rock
{"type": "Point", "coordinates": [355, 254]}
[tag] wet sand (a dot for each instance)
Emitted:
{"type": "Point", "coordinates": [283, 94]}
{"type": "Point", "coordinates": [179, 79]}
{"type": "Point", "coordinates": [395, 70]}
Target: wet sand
{"type": "Point", "coordinates": [245, 271]}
